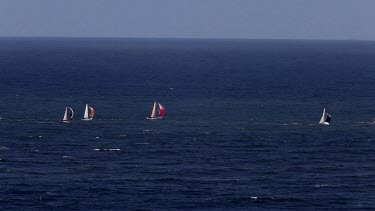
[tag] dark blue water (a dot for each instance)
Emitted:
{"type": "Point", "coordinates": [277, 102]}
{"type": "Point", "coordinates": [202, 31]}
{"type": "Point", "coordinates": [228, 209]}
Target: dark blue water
{"type": "Point", "coordinates": [240, 132]}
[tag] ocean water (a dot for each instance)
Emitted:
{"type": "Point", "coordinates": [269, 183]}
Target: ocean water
{"type": "Point", "coordinates": [240, 131]}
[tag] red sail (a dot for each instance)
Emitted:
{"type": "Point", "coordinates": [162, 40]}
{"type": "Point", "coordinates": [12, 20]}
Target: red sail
{"type": "Point", "coordinates": [161, 110]}
{"type": "Point", "coordinates": [92, 112]}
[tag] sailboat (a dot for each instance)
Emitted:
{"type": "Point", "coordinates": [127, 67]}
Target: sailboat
{"type": "Point", "coordinates": [87, 116]}
{"type": "Point", "coordinates": [160, 109]}
{"type": "Point", "coordinates": [68, 116]}
{"type": "Point", "coordinates": [326, 118]}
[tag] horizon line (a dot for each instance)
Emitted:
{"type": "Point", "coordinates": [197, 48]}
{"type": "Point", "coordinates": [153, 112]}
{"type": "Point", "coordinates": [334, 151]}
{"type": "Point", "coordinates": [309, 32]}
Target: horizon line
{"type": "Point", "coordinates": [193, 38]}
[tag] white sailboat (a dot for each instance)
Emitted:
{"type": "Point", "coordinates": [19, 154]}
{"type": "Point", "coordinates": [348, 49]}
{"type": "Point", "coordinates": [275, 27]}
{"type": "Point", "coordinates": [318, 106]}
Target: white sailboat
{"type": "Point", "coordinates": [326, 118]}
{"type": "Point", "coordinates": [157, 108]}
{"type": "Point", "coordinates": [68, 115]}
{"type": "Point", "coordinates": [87, 116]}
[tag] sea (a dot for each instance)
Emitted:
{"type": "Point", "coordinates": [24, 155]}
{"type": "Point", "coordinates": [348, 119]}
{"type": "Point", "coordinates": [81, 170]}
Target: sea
{"type": "Point", "coordinates": [240, 132]}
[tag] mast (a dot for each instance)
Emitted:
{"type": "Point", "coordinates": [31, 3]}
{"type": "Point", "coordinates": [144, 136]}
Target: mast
{"type": "Point", "coordinates": [153, 113]}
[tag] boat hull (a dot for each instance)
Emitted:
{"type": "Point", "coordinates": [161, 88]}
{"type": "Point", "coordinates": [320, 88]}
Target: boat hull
{"type": "Point", "coordinates": [154, 118]}
{"type": "Point", "coordinates": [151, 118]}
{"type": "Point", "coordinates": [88, 119]}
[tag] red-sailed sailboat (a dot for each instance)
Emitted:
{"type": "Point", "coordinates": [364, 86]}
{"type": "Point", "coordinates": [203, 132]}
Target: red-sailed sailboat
{"type": "Point", "coordinates": [88, 116]}
{"type": "Point", "coordinates": [161, 111]}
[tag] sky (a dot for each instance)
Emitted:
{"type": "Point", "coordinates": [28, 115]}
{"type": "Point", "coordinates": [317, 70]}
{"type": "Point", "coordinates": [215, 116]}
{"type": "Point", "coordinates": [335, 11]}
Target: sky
{"type": "Point", "coordinates": [252, 19]}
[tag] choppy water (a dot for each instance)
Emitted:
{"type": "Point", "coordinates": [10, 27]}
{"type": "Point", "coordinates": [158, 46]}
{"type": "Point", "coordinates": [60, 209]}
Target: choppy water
{"type": "Point", "coordinates": [240, 131]}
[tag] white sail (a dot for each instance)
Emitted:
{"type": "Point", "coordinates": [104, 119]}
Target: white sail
{"type": "Point", "coordinates": [323, 117]}
{"type": "Point", "coordinates": [326, 118]}
{"type": "Point", "coordinates": [86, 116]}
{"type": "Point", "coordinates": [153, 113]}
{"type": "Point", "coordinates": [72, 113]}
{"type": "Point", "coordinates": [66, 114]}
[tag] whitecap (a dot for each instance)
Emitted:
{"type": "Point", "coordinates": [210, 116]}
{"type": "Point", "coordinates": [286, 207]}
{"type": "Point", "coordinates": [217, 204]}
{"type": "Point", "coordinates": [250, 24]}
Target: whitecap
{"type": "Point", "coordinates": [369, 123]}
{"type": "Point", "coordinates": [324, 185]}
{"type": "Point", "coordinates": [113, 149]}
{"type": "Point", "coordinates": [110, 149]}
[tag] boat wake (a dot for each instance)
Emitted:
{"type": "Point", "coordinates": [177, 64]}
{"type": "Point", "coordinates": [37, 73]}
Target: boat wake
{"type": "Point", "coordinates": [142, 143]}
{"type": "Point", "coordinates": [259, 199]}
{"type": "Point", "coordinates": [104, 149]}
{"type": "Point", "coordinates": [324, 185]}
{"type": "Point", "coordinates": [49, 122]}
{"type": "Point", "coordinates": [282, 124]}
{"type": "Point", "coordinates": [366, 123]}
